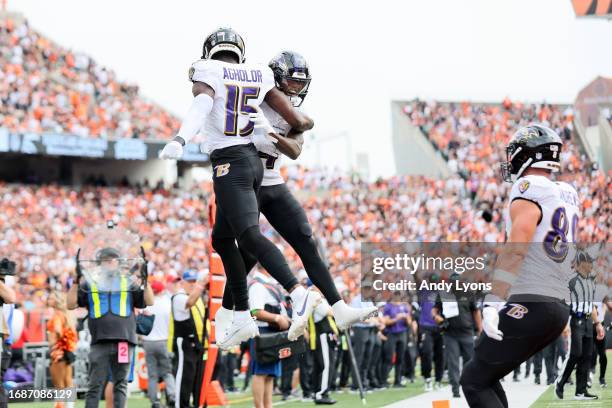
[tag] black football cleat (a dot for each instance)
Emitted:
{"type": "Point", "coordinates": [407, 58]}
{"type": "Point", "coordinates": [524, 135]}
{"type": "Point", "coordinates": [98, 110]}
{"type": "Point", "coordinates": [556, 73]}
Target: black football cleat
{"type": "Point", "coordinates": [585, 397]}
{"type": "Point", "coordinates": [559, 390]}
{"type": "Point", "coordinates": [325, 401]}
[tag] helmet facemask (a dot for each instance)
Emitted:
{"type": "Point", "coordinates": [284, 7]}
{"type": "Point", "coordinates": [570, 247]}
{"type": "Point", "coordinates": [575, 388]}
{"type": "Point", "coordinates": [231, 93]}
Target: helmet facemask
{"type": "Point", "coordinates": [295, 87]}
{"type": "Point", "coordinates": [520, 158]}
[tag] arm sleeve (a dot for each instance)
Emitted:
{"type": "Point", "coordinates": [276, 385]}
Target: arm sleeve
{"type": "Point", "coordinates": [196, 117]}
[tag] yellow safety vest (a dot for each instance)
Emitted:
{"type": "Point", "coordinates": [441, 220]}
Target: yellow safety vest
{"type": "Point", "coordinates": [201, 324]}
{"type": "Point", "coordinates": [119, 303]}
{"type": "Point", "coordinates": [312, 331]}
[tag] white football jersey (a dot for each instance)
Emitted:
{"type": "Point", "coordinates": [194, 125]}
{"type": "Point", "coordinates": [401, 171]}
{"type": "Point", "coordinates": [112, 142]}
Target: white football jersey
{"type": "Point", "coordinates": [547, 265]}
{"type": "Point", "coordinates": [272, 175]}
{"type": "Point", "coordinates": [239, 90]}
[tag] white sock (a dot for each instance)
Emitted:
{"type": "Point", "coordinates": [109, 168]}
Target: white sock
{"type": "Point", "coordinates": [70, 404]}
{"type": "Point", "coordinates": [297, 295]}
{"type": "Point", "coordinates": [242, 315]}
{"type": "Point", "coordinates": [339, 307]}
{"type": "Point", "coordinates": [223, 312]}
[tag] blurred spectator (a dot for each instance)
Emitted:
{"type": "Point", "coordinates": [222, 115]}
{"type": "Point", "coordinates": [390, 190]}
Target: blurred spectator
{"type": "Point", "coordinates": [47, 88]}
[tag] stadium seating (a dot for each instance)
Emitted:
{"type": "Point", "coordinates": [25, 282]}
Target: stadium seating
{"type": "Point", "coordinates": [47, 88]}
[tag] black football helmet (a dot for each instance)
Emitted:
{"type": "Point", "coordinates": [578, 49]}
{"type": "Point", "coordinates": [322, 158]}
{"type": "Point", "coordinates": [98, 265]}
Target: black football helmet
{"type": "Point", "coordinates": [534, 146]}
{"type": "Point", "coordinates": [292, 75]}
{"type": "Point", "coordinates": [223, 39]}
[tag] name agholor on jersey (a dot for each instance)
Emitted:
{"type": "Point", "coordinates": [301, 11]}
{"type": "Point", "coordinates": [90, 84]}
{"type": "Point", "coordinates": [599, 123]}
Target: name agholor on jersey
{"type": "Point", "coordinates": [547, 265]}
{"type": "Point", "coordinates": [271, 160]}
{"type": "Point", "coordinates": [239, 90]}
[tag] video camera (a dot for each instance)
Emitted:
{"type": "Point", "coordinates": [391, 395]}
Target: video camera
{"type": "Point", "coordinates": [7, 268]}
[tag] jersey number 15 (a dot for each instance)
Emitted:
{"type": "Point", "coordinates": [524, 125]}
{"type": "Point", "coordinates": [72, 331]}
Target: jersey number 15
{"type": "Point", "coordinates": [236, 94]}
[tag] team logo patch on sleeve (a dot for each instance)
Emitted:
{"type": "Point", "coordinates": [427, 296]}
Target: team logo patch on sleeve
{"type": "Point", "coordinates": [517, 311]}
{"type": "Point", "coordinates": [222, 169]}
{"type": "Point", "coordinates": [523, 186]}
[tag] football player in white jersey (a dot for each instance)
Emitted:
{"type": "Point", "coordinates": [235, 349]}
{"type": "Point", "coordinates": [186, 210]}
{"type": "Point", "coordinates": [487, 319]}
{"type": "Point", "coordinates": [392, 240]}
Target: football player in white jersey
{"type": "Point", "coordinates": [526, 308]}
{"type": "Point", "coordinates": [283, 211]}
{"type": "Point", "coordinates": [226, 90]}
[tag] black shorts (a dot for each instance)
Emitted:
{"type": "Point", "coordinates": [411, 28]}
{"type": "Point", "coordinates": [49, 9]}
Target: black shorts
{"type": "Point", "coordinates": [237, 175]}
{"type": "Point", "coordinates": [529, 324]}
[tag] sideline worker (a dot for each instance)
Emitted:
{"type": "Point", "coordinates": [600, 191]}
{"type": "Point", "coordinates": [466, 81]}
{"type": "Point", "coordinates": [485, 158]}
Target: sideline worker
{"type": "Point", "coordinates": [112, 324]}
{"type": "Point", "coordinates": [188, 338]}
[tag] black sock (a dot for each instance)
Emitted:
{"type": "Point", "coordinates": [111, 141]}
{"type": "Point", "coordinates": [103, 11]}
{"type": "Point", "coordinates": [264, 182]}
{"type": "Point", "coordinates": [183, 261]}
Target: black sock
{"type": "Point", "coordinates": [235, 273]}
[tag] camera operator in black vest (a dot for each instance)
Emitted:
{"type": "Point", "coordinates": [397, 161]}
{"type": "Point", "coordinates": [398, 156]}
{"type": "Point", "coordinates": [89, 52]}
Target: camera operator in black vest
{"type": "Point", "coordinates": [7, 295]}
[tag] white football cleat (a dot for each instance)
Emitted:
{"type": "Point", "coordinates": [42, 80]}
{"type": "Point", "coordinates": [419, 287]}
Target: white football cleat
{"type": "Point", "coordinates": [301, 313]}
{"type": "Point", "coordinates": [223, 320]}
{"type": "Point", "coordinates": [238, 332]}
{"type": "Point", "coordinates": [345, 315]}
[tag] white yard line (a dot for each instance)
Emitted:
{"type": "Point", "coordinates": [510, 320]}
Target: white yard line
{"type": "Point", "coordinates": [520, 395]}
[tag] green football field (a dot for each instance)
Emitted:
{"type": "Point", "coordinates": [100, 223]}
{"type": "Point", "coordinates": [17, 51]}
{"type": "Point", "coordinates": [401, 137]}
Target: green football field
{"type": "Point", "coordinates": [548, 399]}
{"type": "Point", "coordinates": [382, 398]}
{"type": "Point", "coordinates": [244, 400]}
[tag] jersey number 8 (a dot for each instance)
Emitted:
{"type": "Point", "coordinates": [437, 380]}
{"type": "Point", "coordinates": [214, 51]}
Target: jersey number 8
{"type": "Point", "coordinates": [555, 241]}
{"type": "Point", "coordinates": [244, 95]}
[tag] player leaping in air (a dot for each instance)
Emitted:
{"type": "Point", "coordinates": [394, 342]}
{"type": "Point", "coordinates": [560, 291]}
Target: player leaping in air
{"type": "Point", "coordinates": [283, 211]}
{"type": "Point", "coordinates": [526, 309]}
{"type": "Point", "coordinates": [226, 90]}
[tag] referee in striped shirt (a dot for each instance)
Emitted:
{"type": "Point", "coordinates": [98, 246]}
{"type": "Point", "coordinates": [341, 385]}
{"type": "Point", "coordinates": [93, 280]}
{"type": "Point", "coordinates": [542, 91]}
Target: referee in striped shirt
{"type": "Point", "coordinates": [583, 319]}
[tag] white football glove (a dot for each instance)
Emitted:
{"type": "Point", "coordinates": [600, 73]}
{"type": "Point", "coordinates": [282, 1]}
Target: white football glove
{"type": "Point", "coordinates": [261, 123]}
{"type": "Point", "coordinates": [172, 151]}
{"type": "Point", "coordinates": [264, 144]}
{"type": "Point", "coordinates": [490, 322]}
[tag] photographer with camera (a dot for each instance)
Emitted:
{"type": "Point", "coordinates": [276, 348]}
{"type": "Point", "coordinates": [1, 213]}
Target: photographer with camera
{"type": "Point", "coordinates": [112, 322]}
{"type": "Point", "coordinates": [7, 295]}
{"type": "Point", "coordinates": [457, 315]}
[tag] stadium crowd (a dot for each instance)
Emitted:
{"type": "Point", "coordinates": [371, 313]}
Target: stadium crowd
{"type": "Point", "coordinates": [47, 88]}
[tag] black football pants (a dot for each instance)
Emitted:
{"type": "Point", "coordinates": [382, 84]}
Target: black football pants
{"type": "Point", "coordinates": [237, 175]}
{"type": "Point", "coordinates": [525, 333]}
{"type": "Point", "coordinates": [287, 217]}
{"type": "Point", "coordinates": [581, 348]}
{"type": "Point", "coordinates": [431, 345]}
